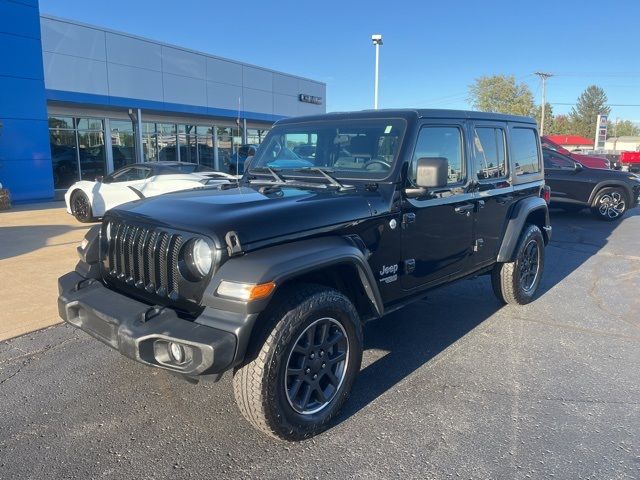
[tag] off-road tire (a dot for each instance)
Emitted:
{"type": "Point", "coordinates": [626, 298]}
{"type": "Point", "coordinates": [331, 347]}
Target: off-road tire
{"type": "Point", "coordinates": [611, 192]}
{"type": "Point", "coordinates": [505, 278]}
{"type": "Point", "coordinates": [259, 384]}
{"type": "Point", "coordinates": [84, 214]}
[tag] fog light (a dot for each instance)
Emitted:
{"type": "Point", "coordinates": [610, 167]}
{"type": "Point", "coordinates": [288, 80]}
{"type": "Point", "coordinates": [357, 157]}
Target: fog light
{"type": "Point", "coordinates": [177, 352]}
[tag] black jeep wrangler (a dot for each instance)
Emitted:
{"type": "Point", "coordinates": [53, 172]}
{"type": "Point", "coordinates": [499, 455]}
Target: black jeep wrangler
{"type": "Point", "coordinates": [338, 219]}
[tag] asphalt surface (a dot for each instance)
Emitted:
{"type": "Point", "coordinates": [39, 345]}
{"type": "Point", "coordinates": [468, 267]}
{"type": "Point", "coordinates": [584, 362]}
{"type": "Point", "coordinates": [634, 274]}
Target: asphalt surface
{"type": "Point", "coordinates": [455, 386]}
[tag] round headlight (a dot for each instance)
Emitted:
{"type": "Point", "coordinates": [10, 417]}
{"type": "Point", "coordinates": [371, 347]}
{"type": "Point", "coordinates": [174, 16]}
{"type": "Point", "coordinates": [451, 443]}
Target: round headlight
{"type": "Point", "coordinates": [201, 257]}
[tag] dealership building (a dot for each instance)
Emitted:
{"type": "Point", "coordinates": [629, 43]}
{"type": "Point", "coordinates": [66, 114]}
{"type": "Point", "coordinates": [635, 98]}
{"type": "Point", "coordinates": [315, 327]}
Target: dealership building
{"type": "Point", "coordinates": [78, 101]}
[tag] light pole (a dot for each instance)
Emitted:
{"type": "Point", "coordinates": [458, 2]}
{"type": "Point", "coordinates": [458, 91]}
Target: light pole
{"type": "Point", "coordinates": [543, 76]}
{"type": "Point", "coordinates": [377, 41]}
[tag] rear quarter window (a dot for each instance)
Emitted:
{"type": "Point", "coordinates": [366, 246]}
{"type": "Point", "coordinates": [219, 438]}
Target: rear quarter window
{"type": "Point", "coordinates": [524, 151]}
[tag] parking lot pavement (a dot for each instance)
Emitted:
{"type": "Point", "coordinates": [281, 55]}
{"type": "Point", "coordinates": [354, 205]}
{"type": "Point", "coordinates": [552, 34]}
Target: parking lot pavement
{"type": "Point", "coordinates": [452, 386]}
{"type": "Point", "coordinates": [37, 245]}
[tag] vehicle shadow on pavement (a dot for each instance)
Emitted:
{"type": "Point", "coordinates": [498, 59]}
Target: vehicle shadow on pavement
{"type": "Point", "coordinates": [409, 339]}
{"type": "Point", "coordinates": [20, 240]}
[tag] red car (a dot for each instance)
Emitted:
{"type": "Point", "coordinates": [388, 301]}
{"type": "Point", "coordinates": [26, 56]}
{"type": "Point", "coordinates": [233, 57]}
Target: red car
{"type": "Point", "coordinates": [630, 161]}
{"type": "Point", "coordinates": [586, 160]}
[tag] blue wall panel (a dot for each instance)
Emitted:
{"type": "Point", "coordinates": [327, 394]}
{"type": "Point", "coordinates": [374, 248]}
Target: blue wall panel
{"type": "Point", "coordinates": [25, 156]}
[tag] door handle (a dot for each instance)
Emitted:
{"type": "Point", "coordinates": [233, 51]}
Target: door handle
{"type": "Point", "coordinates": [503, 200]}
{"type": "Point", "coordinates": [464, 209]}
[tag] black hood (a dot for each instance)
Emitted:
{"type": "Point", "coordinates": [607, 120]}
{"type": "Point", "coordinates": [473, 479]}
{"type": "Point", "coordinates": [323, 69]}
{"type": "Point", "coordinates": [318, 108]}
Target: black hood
{"type": "Point", "coordinates": [254, 216]}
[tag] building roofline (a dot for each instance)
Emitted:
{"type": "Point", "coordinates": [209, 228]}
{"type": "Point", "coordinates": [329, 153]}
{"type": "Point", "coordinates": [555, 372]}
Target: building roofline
{"type": "Point", "coordinates": [177, 47]}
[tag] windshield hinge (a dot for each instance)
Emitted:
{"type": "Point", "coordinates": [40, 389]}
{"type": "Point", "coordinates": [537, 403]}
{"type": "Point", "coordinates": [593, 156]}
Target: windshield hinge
{"type": "Point", "coordinates": [233, 243]}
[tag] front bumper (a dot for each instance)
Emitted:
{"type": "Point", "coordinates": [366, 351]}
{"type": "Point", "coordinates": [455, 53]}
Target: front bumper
{"type": "Point", "coordinates": [142, 332]}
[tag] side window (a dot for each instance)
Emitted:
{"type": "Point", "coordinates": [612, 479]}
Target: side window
{"type": "Point", "coordinates": [554, 160]}
{"type": "Point", "coordinates": [130, 174]}
{"type": "Point", "coordinates": [524, 151]}
{"type": "Point", "coordinates": [490, 156]}
{"type": "Point", "coordinates": [443, 142]}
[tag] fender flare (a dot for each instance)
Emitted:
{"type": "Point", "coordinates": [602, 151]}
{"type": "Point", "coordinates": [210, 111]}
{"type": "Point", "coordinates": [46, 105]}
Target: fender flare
{"type": "Point", "coordinates": [279, 264]}
{"type": "Point", "coordinates": [516, 222]}
{"type": "Point", "coordinates": [283, 262]}
{"type": "Point", "coordinates": [610, 183]}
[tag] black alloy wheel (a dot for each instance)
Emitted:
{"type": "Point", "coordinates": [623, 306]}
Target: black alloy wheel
{"type": "Point", "coordinates": [316, 366]}
{"type": "Point", "coordinates": [81, 208]}
{"type": "Point", "coordinates": [529, 265]}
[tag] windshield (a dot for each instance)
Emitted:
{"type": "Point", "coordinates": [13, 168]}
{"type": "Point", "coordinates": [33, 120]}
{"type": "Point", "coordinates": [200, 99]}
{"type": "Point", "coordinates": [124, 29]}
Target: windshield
{"type": "Point", "coordinates": [354, 148]}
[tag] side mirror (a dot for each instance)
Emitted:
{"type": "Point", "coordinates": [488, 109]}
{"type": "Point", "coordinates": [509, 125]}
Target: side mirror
{"type": "Point", "coordinates": [432, 172]}
{"type": "Point", "coordinates": [578, 167]}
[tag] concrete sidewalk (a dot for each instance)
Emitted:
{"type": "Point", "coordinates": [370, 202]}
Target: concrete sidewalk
{"type": "Point", "coordinates": [37, 245]}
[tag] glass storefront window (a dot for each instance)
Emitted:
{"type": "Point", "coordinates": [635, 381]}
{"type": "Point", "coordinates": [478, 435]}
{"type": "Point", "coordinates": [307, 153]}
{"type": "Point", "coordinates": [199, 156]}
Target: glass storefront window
{"type": "Point", "coordinates": [64, 156]}
{"type": "Point", "coordinates": [61, 122]}
{"type": "Point", "coordinates": [77, 149]}
{"type": "Point", "coordinates": [149, 142]}
{"type": "Point", "coordinates": [225, 147]}
{"type": "Point", "coordinates": [188, 141]}
{"type": "Point", "coordinates": [122, 143]}
{"type": "Point", "coordinates": [89, 124]}
{"type": "Point", "coordinates": [79, 152]}
{"type": "Point", "coordinates": [92, 155]}
{"type": "Point", "coordinates": [255, 136]}
{"type": "Point", "coordinates": [206, 152]}
{"type": "Point", "coordinates": [167, 142]}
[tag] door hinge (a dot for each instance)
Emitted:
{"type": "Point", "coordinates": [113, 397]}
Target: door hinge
{"type": "Point", "coordinates": [409, 265]}
{"type": "Point", "coordinates": [479, 243]}
{"type": "Point", "coordinates": [408, 218]}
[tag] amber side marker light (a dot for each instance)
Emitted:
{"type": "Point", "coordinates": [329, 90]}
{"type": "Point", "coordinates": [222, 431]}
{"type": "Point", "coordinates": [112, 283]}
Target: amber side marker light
{"type": "Point", "coordinates": [245, 291]}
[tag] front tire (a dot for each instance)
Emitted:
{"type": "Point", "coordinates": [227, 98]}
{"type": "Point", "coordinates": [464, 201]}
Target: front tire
{"type": "Point", "coordinates": [300, 375]}
{"type": "Point", "coordinates": [517, 282]}
{"type": "Point", "coordinates": [81, 207]}
{"type": "Point", "coordinates": [610, 204]}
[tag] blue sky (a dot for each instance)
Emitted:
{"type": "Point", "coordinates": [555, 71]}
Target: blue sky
{"type": "Point", "coordinates": [432, 50]}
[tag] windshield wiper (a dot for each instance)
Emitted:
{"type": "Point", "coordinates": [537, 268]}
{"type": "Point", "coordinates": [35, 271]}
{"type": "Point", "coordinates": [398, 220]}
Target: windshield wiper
{"type": "Point", "coordinates": [274, 173]}
{"type": "Point", "coordinates": [325, 173]}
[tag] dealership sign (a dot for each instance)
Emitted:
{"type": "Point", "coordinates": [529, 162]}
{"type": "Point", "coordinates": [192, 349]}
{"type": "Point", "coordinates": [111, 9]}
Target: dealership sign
{"type": "Point", "coordinates": [601, 132]}
{"type": "Point", "coordinates": [303, 97]}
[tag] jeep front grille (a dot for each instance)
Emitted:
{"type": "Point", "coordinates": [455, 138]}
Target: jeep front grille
{"type": "Point", "coordinates": [145, 258]}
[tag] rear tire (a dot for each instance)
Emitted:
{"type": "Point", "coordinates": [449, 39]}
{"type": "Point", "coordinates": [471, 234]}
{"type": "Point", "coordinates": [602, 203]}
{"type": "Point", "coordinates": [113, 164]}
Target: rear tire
{"type": "Point", "coordinates": [610, 204]}
{"type": "Point", "coordinates": [81, 207]}
{"type": "Point", "coordinates": [516, 282]}
{"type": "Point", "coordinates": [287, 362]}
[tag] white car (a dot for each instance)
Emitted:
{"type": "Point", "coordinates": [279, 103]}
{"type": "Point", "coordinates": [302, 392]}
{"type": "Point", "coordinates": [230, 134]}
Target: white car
{"type": "Point", "coordinates": [88, 201]}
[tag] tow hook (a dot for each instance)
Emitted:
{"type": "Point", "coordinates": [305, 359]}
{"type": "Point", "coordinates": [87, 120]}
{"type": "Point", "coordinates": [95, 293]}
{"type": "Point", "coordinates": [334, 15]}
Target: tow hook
{"type": "Point", "coordinates": [151, 313]}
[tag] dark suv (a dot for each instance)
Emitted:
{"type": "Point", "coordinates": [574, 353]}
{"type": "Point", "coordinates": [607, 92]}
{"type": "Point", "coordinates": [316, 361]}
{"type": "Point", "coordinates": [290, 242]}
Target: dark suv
{"type": "Point", "coordinates": [273, 278]}
{"type": "Point", "coordinates": [608, 193]}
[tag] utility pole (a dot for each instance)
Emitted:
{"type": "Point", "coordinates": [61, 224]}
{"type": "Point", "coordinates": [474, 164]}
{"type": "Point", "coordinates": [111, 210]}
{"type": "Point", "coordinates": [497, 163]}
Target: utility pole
{"type": "Point", "coordinates": [543, 77]}
{"type": "Point", "coordinates": [377, 41]}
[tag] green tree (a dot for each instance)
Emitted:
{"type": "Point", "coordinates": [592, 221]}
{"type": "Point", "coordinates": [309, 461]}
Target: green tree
{"type": "Point", "coordinates": [591, 103]}
{"type": "Point", "coordinates": [548, 117]}
{"type": "Point", "coordinates": [622, 128]}
{"type": "Point", "coordinates": [501, 93]}
{"type": "Point", "coordinates": [561, 125]}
